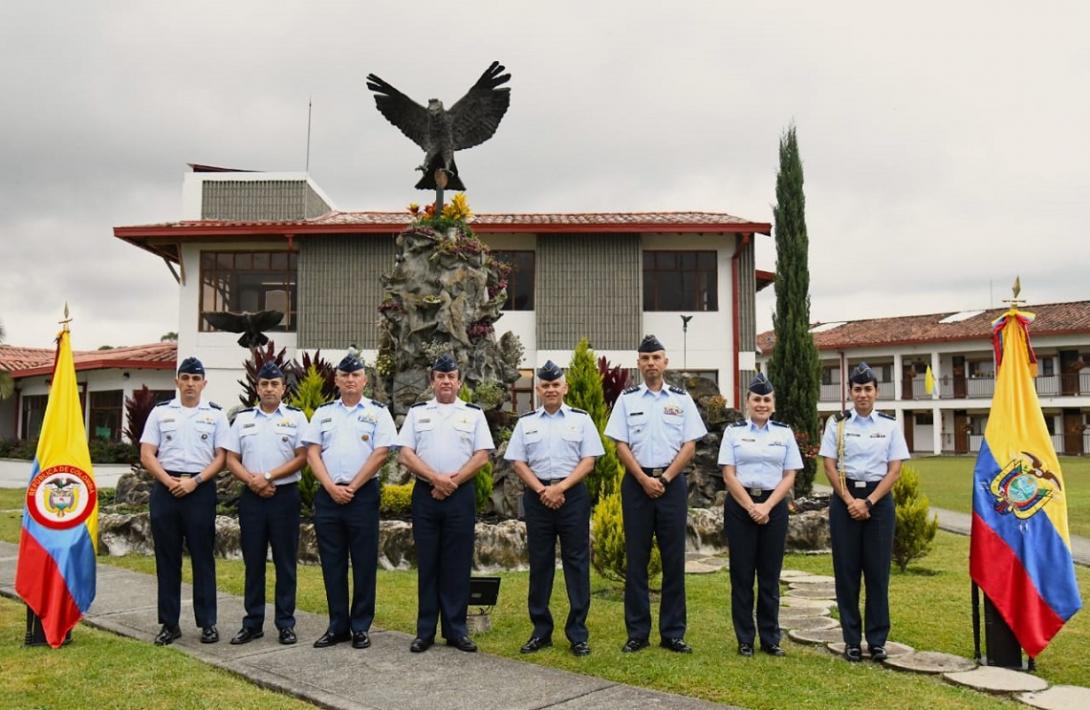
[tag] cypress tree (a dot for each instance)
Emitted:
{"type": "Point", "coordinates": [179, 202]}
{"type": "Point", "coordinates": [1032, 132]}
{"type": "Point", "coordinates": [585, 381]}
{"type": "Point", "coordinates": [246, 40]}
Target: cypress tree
{"type": "Point", "coordinates": [585, 392]}
{"type": "Point", "coordinates": [794, 366]}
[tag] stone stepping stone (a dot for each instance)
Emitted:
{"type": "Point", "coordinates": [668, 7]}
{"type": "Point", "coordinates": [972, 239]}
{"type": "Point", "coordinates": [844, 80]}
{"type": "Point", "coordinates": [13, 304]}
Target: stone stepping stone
{"type": "Point", "coordinates": [810, 623]}
{"type": "Point", "coordinates": [804, 603]}
{"type": "Point", "coordinates": [788, 575]}
{"type": "Point", "coordinates": [892, 649]}
{"type": "Point", "coordinates": [1058, 697]}
{"type": "Point", "coordinates": [992, 679]}
{"type": "Point", "coordinates": [717, 562]}
{"type": "Point", "coordinates": [788, 613]}
{"type": "Point", "coordinates": [697, 567]}
{"type": "Point", "coordinates": [819, 637]}
{"type": "Point", "coordinates": [813, 591]}
{"type": "Point", "coordinates": [931, 662]}
{"type": "Point", "coordinates": [811, 579]}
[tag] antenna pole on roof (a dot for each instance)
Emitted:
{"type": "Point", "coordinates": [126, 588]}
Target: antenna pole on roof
{"type": "Point", "coordinates": [310, 105]}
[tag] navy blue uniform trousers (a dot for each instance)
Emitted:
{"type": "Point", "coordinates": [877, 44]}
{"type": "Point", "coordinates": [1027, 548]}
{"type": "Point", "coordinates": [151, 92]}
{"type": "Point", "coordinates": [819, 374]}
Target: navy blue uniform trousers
{"type": "Point", "coordinates": [666, 518]}
{"type": "Point", "coordinates": [443, 534]}
{"type": "Point", "coordinates": [862, 547]}
{"type": "Point", "coordinates": [344, 531]}
{"type": "Point", "coordinates": [570, 523]}
{"type": "Point", "coordinates": [191, 518]}
{"type": "Point", "coordinates": [266, 522]}
{"type": "Point", "coordinates": [755, 550]}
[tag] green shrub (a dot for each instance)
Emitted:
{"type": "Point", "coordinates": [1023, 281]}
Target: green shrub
{"type": "Point", "coordinates": [914, 534]}
{"type": "Point", "coordinates": [103, 451]}
{"type": "Point", "coordinates": [396, 500]}
{"type": "Point", "coordinates": [607, 539]}
{"type": "Point", "coordinates": [482, 484]}
{"type": "Point", "coordinates": [309, 395]}
{"type": "Point", "coordinates": [585, 392]}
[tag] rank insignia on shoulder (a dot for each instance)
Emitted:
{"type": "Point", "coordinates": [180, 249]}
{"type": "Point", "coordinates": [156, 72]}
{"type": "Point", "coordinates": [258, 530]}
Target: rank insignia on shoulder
{"type": "Point", "coordinates": [163, 404]}
{"type": "Point", "coordinates": [578, 411]}
{"type": "Point", "coordinates": [418, 404]}
{"type": "Point", "coordinates": [531, 413]}
{"type": "Point", "coordinates": [213, 405]}
{"type": "Point", "coordinates": [741, 423]}
{"type": "Point", "coordinates": [380, 405]}
{"type": "Point", "coordinates": [326, 404]}
{"type": "Point", "coordinates": [841, 416]}
{"type": "Point", "coordinates": [676, 390]}
{"type": "Point", "coordinates": [776, 423]}
{"type": "Point", "coordinates": [289, 408]}
{"type": "Point", "coordinates": [630, 390]}
{"type": "Point", "coordinates": [886, 416]}
{"type": "Point", "coordinates": [472, 406]}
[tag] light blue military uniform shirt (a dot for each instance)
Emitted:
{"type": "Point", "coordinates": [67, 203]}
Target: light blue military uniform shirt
{"type": "Point", "coordinates": [445, 436]}
{"type": "Point", "coordinates": [186, 437]}
{"type": "Point", "coordinates": [266, 441]}
{"type": "Point", "coordinates": [760, 454]}
{"type": "Point", "coordinates": [655, 425]}
{"type": "Point", "coordinates": [552, 445]}
{"type": "Point", "coordinates": [348, 435]}
{"type": "Point", "coordinates": [870, 443]}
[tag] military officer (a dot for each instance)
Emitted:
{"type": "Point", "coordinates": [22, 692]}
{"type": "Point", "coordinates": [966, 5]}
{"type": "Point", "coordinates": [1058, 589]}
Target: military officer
{"type": "Point", "coordinates": [759, 457]}
{"type": "Point", "coordinates": [862, 450]}
{"type": "Point", "coordinates": [444, 442]}
{"type": "Point", "coordinates": [553, 449]}
{"type": "Point", "coordinates": [656, 427]}
{"type": "Point", "coordinates": [347, 441]}
{"type": "Point", "coordinates": [265, 451]}
{"type": "Point", "coordinates": [183, 448]}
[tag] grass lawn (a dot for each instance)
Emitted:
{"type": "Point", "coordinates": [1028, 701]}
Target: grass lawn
{"type": "Point", "coordinates": [947, 481]}
{"type": "Point", "coordinates": [930, 608]}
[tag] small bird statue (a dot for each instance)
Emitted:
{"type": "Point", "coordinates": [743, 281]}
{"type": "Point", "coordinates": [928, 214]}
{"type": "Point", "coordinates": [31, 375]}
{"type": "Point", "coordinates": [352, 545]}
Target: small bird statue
{"type": "Point", "coordinates": [249, 324]}
{"type": "Point", "coordinates": [471, 121]}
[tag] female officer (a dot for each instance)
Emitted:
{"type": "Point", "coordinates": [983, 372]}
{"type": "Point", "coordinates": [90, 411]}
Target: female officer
{"type": "Point", "coordinates": [862, 450]}
{"type": "Point", "coordinates": [759, 457]}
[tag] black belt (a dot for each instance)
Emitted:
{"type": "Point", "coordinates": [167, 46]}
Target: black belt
{"type": "Point", "coordinates": [860, 489]}
{"type": "Point", "coordinates": [758, 492]}
{"type": "Point", "coordinates": [549, 481]}
{"type": "Point", "coordinates": [182, 474]}
{"type": "Point", "coordinates": [657, 471]}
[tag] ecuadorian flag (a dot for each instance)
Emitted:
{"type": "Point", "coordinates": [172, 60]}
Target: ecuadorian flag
{"type": "Point", "coordinates": [1020, 552]}
{"type": "Point", "coordinates": [55, 575]}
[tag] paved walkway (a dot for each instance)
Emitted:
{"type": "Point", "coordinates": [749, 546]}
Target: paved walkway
{"type": "Point", "coordinates": [383, 676]}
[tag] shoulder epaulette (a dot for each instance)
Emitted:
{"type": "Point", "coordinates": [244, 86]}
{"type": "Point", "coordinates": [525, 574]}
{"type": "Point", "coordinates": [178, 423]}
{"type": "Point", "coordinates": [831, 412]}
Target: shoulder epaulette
{"type": "Point", "coordinates": [676, 390]}
{"type": "Point", "coordinates": [163, 404]}
{"type": "Point", "coordinates": [243, 411]}
{"type": "Point", "coordinates": [886, 416]}
{"type": "Point", "coordinates": [324, 405]}
{"type": "Point", "coordinates": [286, 406]}
{"type": "Point", "coordinates": [841, 416]}
{"type": "Point", "coordinates": [531, 413]}
{"type": "Point", "coordinates": [630, 390]}
{"type": "Point", "coordinates": [418, 404]}
{"type": "Point", "coordinates": [776, 423]}
{"type": "Point", "coordinates": [577, 410]}
{"type": "Point", "coordinates": [741, 423]}
{"type": "Point", "coordinates": [213, 405]}
{"type": "Point", "coordinates": [471, 405]}
{"type": "Point", "coordinates": [380, 405]}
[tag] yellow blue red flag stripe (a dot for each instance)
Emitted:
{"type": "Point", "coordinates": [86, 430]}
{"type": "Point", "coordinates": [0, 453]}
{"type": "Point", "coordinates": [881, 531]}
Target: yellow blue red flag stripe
{"type": "Point", "coordinates": [55, 575]}
{"type": "Point", "coordinates": [1020, 552]}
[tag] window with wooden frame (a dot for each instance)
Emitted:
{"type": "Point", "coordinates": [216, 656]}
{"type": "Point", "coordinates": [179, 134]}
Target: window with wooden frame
{"type": "Point", "coordinates": [520, 283]}
{"type": "Point", "coordinates": [106, 415]}
{"type": "Point", "coordinates": [249, 281]}
{"type": "Point", "coordinates": [680, 281]}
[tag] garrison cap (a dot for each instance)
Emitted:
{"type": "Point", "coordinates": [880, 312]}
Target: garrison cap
{"type": "Point", "coordinates": [350, 363]}
{"type": "Point", "coordinates": [650, 344]}
{"type": "Point", "coordinates": [444, 363]}
{"type": "Point", "coordinates": [270, 371]}
{"type": "Point", "coordinates": [862, 374]}
{"type": "Point", "coordinates": [760, 384]}
{"type": "Point", "coordinates": [549, 371]}
{"type": "Point", "coordinates": [191, 366]}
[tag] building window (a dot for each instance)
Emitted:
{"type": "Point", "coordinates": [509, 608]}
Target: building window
{"type": "Point", "coordinates": [249, 281]}
{"type": "Point", "coordinates": [163, 395]}
{"type": "Point", "coordinates": [680, 281]}
{"type": "Point", "coordinates": [924, 419]}
{"type": "Point", "coordinates": [107, 413]}
{"type": "Point", "coordinates": [1047, 366]}
{"type": "Point", "coordinates": [522, 394]}
{"type": "Point", "coordinates": [32, 415]}
{"type": "Point", "coordinates": [520, 284]}
{"type": "Point", "coordinates": [977, 424]}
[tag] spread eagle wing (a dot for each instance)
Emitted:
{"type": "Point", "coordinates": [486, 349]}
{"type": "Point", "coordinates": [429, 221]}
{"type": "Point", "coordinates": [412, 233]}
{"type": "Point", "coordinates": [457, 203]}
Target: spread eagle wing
{"type": "Point", "coordinates": [1040, 471]}
{"type": "Point", "coordinates": [230, 322]}
{"type": "Point", "coordinates": [264, 320]}
{"type": "Point", "coordinates": [476, 116]}
{"type": "Point", "coordinates": [410, 117]}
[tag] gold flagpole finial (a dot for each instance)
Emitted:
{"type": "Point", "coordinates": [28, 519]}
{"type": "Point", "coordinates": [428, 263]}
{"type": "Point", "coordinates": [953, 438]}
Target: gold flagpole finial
{"type": "Point", "coordinates": [1016, 290]}
{"type": "Point", "coordinates": [64, 323]}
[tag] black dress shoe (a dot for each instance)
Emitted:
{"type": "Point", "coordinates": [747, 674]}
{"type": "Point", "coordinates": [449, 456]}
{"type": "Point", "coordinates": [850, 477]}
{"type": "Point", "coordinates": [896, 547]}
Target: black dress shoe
{"type": "Point", "coordinates": [167, 635]}
{"type": "Point", "coordinates": [360, 639]}
{"type": "Point", "coordinates": [330, 639]}
{"type": "Point", "coordinates": [419, 645]}
{"type": "Point", "coordinates": [463, 643]}
{"type": "Point", "coordinates": [580, 649]}
{"type": "Point", "coordinates": [676, 645]}
{"type": "Point", "coordinates": [246, 636]}
{"type": "Point", "coordinates": [209, 634]}
{"type": "Point", "coordinates": [878, 653]}
{"type": "Point", "coordinates": [745, 649]}
{"type": "Point", "coordinates": [853, 654]}
{"type": "Point", "coordinates": [536, 643]}
{"type": "Point", "coordinates": [773, 649]}
{"type": "Point", "coordinates": [287, 636]}
{"type": "Point", "coordinates": [633, 645]}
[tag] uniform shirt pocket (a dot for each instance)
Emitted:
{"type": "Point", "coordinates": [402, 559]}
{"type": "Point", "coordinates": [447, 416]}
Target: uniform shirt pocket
{"type": "Point", "coordinates": [637, 426]}
{"type": "Point", "coordinates": [168, 430]}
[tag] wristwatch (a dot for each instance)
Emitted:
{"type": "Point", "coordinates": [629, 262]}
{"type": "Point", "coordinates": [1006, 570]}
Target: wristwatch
{"type": "Point", "coordinates": [869, 503]}
{"type": "Point", "coordinates": [268, 476]}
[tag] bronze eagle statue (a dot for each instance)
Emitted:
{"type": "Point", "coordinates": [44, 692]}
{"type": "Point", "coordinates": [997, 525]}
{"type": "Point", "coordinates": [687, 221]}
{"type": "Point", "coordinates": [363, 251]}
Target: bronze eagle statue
{"type": "Point", "coordinates": [249, 324]}
{"type": "Point", "coordinates": [440, 132]}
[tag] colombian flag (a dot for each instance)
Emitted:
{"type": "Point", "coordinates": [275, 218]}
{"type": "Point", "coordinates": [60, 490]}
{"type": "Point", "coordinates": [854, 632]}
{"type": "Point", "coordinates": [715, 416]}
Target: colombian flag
{"type": "Point", "coordinates": [1020, 552]}
{"type": "Point", "coordinates": [55, 575]}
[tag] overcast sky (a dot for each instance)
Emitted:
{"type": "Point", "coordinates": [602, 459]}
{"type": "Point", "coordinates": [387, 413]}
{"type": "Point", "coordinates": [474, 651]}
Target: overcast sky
{"type": "Point", "coordinates": [945, 144]}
